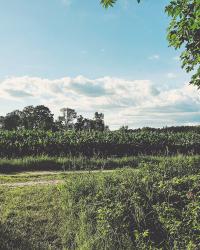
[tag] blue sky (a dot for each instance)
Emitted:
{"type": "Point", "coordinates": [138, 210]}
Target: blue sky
{"type": "Point", "coordinates": [88, 53]}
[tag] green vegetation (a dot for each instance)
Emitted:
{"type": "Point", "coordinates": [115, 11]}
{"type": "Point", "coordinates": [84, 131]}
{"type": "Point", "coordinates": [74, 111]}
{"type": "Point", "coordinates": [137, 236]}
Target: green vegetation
{"type": "Point", "coordinates": [151, 199]}
{"type": "Point", "coordinates": [30, 218]}
{"type": "Point", "coordinates": [117, 143]}
{"type": "Point", "coordinates": [118, 214]}
{"type": "Point", "coordinates": [41, 118]}
{"type": "Point", "coordinates": [56, 191]}
{"type": "Point", "coordinates": [46, 163]}
{"type": "Point", "coordinates": [155, 207]}
{"type": "Point", "coordinates": [81, 163]}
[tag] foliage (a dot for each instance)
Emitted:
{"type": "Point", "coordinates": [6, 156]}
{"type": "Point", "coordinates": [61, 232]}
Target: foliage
{"type": "Point", "coordinates": [40, 117]}
{"type": "Point", "coordinates": [153, 208]}
{"type": "Point", "coordinates": [183, 31]}
{"type": "Point", "coordinates": [110, 3]}
{"type": "Point", "coordinates": [118, 143]}
{"type": "Point", "coordinates": [68, 116]}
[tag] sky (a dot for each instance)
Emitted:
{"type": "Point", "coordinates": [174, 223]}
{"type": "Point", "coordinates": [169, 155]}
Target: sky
{"type": "Point", "coordinates": [72, 53]}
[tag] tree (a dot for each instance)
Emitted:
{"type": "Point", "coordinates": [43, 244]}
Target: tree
{"type": "Point", "coordinates": [110, 3]}
{"type": "Point", "coordinates": [99, 121]}
{"type": "Point", "coordinates": [2, 122]}
{"type": "Point", "coordinates": [89, 124]}
{"type": "Point", "coordinates": [68, 117]}
{"type": "Point", "coordinates": [28, 117]}
{"type": "Point", "coordinates": [13, 120]}
{"type": "Point", "coordinates": [43, 118]}
{"type": "Point", "coordinates": [79, 125]}
{"type": "Point", "coordinates": [39, 117]}
{"type": "Point", "coordinates": [58, 125]}
{"type": "Point", "coordinates": [183, 31]}
{"type": "Point", "coordinates": [124, 129]}
{"type": "Point", "coordinates": [96, 124]}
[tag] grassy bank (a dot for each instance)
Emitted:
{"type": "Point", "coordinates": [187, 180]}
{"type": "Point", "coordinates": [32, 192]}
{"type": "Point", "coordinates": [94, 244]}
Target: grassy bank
{"type": "Point", "coordinates": [71, 163]}
{"type": "Point", "coordinates": [155, 207]}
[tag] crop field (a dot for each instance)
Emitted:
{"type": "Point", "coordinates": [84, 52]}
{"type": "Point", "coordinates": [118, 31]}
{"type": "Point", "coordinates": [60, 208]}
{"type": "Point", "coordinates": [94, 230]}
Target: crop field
{"type": "Point", "coordinates": [148, 202]}
{"type": "Point", "coordinates": [100, 190]}
{"type": "Point", "coordinates": [111, 143]}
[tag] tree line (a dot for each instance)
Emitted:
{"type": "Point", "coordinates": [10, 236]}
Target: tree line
{"type": "Point", "coordinates": [40, 117]}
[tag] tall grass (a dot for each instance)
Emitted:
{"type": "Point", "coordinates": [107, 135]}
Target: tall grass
{"type": "Point", "coordinates": [156, 207]}
{"type": "Point", "coordinates": [71, 163]}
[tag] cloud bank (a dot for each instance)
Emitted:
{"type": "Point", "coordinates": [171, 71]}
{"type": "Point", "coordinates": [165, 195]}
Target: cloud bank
{"type": "Point", "coordinates": [136, 103]}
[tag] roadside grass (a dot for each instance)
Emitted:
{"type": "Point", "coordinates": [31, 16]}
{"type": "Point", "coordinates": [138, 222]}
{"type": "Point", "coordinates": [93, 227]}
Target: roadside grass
{"type": "Point", "coordinates": [156, 207]}
{"type": "Point", "coordinates": [30, 218]}
{"type": "Point", "coordinates": [71, 163]}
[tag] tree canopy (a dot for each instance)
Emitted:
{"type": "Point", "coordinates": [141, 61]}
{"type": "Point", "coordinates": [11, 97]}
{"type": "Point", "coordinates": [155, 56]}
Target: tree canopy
{"type": "Point", "coordinates": [183, 31]}
{"type": "Point", "coordinates": [41, 118]}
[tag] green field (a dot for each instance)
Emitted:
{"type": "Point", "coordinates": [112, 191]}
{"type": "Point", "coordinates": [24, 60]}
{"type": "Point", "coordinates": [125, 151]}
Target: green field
{"type": "Point", "coordinates": [153, 204]}
{"type": "Point", "coordinates": [21, 143]}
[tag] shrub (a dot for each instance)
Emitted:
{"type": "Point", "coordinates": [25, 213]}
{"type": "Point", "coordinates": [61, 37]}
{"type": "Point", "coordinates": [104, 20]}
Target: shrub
{"type": "Point", "coordinates": [151, 208]}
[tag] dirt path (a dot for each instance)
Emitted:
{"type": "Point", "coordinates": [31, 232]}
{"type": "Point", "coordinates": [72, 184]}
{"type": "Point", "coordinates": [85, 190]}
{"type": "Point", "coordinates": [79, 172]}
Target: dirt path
{"type": "Point", "coordinates": [33, 173]}
{"type": "Point", "coordinates": [32, 183]}
{"type": "Point", "coordinates": [41, 174]}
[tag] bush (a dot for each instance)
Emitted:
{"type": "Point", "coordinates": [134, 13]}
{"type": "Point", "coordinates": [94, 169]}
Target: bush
{"type": "Point", "coordinates": [151, 208]}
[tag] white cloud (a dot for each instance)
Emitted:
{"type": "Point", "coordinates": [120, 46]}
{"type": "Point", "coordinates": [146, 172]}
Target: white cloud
{"type": "Point", "coordinates": [154, 57]}
{"type": "Point", "coordinates": [133, 102]}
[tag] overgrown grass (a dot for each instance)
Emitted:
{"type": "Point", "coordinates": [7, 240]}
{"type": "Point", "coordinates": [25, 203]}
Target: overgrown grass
{"type": "Point", "coordinates": [71, 163]}
{"type": "Point", "coordinates": [155, 207]}
{"type": "Point", "coordinates": [30, 218]}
